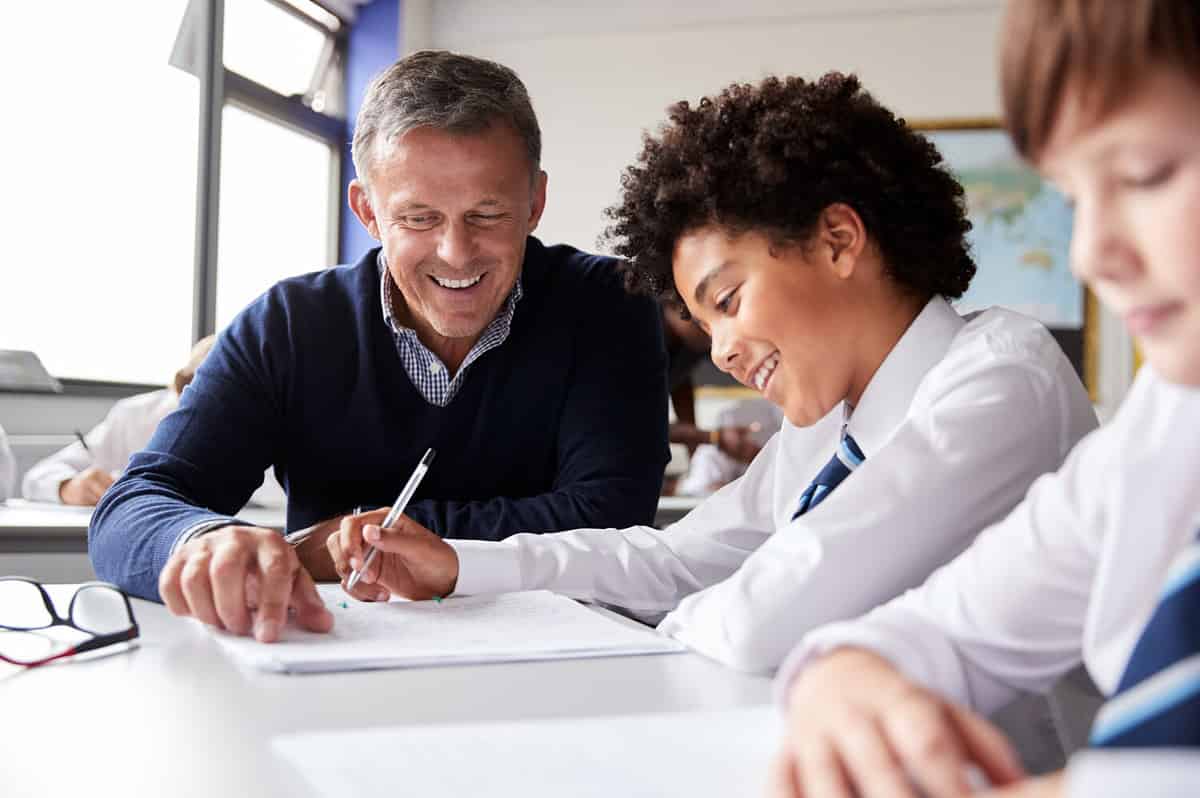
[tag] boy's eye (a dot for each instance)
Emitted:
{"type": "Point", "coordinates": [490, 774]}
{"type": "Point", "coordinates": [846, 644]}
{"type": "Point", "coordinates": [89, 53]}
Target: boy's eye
{"type": "Point", "coordinates": [723, 302]}
{"type": "Point", "coordinates": [1151, 178]}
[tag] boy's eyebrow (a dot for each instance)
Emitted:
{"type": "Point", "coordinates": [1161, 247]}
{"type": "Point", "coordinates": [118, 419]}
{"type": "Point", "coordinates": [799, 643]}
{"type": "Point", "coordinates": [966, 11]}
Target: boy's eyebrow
{"type": "Point", "coordinates": [702, 286]}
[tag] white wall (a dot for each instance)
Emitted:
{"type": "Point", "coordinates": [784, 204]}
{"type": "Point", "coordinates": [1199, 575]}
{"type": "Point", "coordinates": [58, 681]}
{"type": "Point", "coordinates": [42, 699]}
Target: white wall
{"type": "Point", "coordinates": [600, 73]}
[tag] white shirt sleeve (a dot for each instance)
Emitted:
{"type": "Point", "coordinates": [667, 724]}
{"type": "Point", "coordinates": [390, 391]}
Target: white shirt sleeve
{"type": "Point", "coordinates": [8, 468]}
{"type": "Point", "coordinates": [641, 569]}
{"type": "Point", "coordinates": [42, 480]}
{"type": "Point", "coordinates": [947, 473]}
{"type": "Point", "coordinates": [1006, 615]}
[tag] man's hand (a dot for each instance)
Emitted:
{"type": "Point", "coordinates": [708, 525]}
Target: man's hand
{"type": "Point", "coordinates": [411, 562]}
{"type": "Point", "coordinates": [86, 487]}
{"type": "Point", "coordinates": [739, 442]}
{"type": "Point", "coordinates": [223, 576]}
{"type": "Point", "coordinates": [858, 727]}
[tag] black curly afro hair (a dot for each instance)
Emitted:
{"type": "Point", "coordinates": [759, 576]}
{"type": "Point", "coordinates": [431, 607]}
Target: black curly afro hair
{"type": "Point", "coordinates": [770, 157]}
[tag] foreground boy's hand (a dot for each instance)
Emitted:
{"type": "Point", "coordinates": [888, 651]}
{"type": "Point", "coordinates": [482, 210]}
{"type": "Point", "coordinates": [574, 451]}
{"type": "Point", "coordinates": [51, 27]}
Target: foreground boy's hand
{"type": "Point", "coordinates": [222, 576]}
{"type": "Point", "coordinates": [856, 726]}
{"type": "Point", "coordinates": [411, 561]}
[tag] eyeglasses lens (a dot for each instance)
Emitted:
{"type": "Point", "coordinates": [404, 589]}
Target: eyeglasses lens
{"type": "Point", "coordinates": [21, 606]}
{"type": "Point", "coordinates": [22, 613]}
{"type": "Point", "coordinates": [101, 610]}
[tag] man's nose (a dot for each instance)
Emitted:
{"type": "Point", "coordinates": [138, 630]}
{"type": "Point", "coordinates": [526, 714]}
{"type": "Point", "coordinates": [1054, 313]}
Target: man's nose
{"type": "Point", "coordinates": [457, 245]}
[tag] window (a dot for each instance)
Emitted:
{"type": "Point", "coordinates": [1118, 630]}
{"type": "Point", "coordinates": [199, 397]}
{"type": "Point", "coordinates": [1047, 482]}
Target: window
{"type": "Point", "coordinates": [99, 192]}
{"type": "Point", "coordinates": [269, 45]}
{"type": "Point", "coordinates": [268, 232]}
{"type": "Point", "coordinates": [101, 175]}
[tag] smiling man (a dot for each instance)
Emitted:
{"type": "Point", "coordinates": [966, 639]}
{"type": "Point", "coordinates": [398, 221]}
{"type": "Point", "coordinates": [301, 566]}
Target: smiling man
{"type": "Point", "coordinates": [538, 380]}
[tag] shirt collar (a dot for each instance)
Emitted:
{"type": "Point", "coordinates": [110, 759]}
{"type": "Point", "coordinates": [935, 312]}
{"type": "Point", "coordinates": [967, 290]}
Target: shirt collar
{"type": "Point", "coordinates": [886, 400]}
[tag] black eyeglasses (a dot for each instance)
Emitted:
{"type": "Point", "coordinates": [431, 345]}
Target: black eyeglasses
{"type": "Point", "coordinates": [97, 609]}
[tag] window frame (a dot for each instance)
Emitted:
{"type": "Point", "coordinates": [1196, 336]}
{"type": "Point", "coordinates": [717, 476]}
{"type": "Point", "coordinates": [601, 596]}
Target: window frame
{"type": "Point", "coordinates": [220, 86]}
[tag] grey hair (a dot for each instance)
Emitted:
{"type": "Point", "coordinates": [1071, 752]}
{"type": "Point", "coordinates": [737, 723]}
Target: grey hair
{"type": "Point", "coordinates": [444, 90]}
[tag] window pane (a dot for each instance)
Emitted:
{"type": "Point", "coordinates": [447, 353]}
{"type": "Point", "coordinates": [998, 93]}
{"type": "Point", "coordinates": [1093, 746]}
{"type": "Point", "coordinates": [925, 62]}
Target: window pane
{"type": "Point", "coordinates": [270, 46]}
{"type": "Point", "coordinates": [274, 208]}
{"type": "Point", "coordinates": [98, 196]}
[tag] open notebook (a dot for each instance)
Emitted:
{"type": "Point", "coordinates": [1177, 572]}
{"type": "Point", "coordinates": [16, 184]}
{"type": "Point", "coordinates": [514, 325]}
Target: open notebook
{"type": "Point", "coordinates": [717, 753]}
{"type": "Point", "coordinates": [511, 627]}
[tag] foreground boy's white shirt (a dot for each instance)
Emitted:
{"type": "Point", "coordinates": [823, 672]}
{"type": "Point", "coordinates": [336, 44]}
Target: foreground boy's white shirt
{"type": "Point", "coordinates": [1076, 569]}
{"type": "Point", "coordinates": [956, 424]}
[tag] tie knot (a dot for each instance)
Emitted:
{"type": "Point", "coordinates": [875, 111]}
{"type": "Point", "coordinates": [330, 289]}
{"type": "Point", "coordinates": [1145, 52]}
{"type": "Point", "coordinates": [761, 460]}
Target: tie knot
{"type": "Point", "coordinates": [847, 458]}
{"type": "Point", "coordinates": [849, 453]}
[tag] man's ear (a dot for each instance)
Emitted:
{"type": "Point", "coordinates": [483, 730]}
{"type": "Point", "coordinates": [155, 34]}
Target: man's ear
{"type": "Point", "coordinates": [538, 202]}
{"type": "Point", "coordinates": [360, 203]}
{"type": "Point", "coordinates": [842, 237]}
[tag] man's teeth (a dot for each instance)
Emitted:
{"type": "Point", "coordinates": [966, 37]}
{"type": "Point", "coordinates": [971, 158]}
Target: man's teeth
{"type": "Point", "coordinates": [457, 283]}
{"type": "Point", "coordinates": [765, 370]}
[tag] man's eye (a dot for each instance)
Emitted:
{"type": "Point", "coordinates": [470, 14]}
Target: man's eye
{"type": "Point", "coordinates": [487, 218]}
{"type": "Point", "coordinates": [420, 220]}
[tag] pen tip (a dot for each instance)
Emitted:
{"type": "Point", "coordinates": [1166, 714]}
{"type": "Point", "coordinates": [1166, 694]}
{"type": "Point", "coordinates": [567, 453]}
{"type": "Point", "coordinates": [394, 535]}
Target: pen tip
{"type": "Point", "coordinates": [427, 460]}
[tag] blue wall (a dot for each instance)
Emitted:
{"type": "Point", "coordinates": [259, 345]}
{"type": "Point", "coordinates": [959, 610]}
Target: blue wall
{"type": "Point", "coordinates": [374, 46]}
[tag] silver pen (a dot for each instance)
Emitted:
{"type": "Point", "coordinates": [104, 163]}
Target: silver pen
{"type": "Point", "coordinates": [410, 488]}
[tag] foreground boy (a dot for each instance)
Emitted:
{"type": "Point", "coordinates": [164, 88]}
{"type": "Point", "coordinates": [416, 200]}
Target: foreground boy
{"type": "Point", "coordinates": [1102, 560]}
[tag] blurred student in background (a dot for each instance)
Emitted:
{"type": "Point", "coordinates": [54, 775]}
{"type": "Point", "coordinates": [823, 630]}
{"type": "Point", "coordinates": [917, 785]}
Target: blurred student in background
{"type": "Point", "coordinates": [8, 468]}
{"type": "Point", "coordinates": [1101, 562]}
{"type": "Point", "coordinates": [711, 466]}
{"type": "Point", "coordinates": [688, 346]}
{"type": "Point", "coordinates": [81, 472]}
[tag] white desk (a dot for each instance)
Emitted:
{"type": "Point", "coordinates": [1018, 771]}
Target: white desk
{"type": "Point", "coordinates": [49, 541]}
{"type": "Point", "coordinates": [27, 526]}
{"type": "Point", "coordinates": [174, 717]}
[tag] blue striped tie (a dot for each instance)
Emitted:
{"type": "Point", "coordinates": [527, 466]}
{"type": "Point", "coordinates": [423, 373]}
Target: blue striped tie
{"type": "Point", "coordinates": [1157, 703]}
{"type": "Point", "coordinates": [847, 458]}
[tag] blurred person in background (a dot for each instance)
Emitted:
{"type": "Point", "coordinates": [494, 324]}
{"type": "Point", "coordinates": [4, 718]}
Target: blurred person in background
{"type": "Point", "coordinates": [8, 467]}
{"type": "Point", "coordinates": [80, 476]}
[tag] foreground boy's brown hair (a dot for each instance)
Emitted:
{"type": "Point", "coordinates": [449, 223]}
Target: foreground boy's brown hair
{"type": "Point", "coordinates": [1100, 47]}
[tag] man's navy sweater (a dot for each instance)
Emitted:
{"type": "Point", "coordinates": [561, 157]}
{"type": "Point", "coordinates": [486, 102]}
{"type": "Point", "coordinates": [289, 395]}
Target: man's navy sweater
{"type": "Point", "coordinates": [562, 426]}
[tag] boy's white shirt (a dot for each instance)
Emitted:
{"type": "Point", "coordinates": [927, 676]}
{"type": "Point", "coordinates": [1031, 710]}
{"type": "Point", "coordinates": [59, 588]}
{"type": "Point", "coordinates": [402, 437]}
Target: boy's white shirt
{"type": "Point", "coordinates": [956, 424]}
{"type": "Point", "coordinates": [8, 468]}
{"type": "Point", "coordinates": [126, 429]}
{"type": "Point", "coordinates": [1074, 571]}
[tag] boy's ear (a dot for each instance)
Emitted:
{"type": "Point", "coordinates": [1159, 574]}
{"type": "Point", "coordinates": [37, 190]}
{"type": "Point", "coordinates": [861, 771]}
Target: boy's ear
{"type": "Point", "coordinates": [842, 237]}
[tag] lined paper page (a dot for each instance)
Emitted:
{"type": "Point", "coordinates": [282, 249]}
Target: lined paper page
{"type": "Point", "coordinates": [509, 627]}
